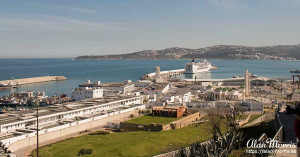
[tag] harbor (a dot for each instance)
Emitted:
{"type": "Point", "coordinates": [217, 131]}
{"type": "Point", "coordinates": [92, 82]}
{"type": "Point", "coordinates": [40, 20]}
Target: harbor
{"type": "Point", "coordinates": [132, 69]}
{"type": "Point", "coordinates": [210, 78]}
{"type": "Point", "coordinates": [94, 104]}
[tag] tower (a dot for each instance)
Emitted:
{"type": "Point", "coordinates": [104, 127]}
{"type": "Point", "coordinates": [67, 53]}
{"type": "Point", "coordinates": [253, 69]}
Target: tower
{"type": "Point", "coordinates": [247, 84]}
{"type": "Point", "coordinates": [158, 78]}
{"type": "Point", "coordinates": [157, 72]}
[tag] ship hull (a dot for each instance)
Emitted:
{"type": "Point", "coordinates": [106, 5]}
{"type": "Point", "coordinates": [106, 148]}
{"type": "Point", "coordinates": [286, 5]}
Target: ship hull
{"type": "Point", "coordinates": [193, 67]}
{"type": "Point", "coordinates": [196, 71]}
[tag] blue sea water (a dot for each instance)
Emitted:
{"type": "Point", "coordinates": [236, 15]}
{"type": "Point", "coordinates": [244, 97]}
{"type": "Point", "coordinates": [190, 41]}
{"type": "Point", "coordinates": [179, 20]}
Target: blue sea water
{"type": "Point", "coordinates": [78, 71]}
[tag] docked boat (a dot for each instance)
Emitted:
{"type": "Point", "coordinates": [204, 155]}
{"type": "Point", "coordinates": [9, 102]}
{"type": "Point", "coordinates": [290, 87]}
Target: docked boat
{"type": "Point", "coordinates": [295, 71]}
{"type": "Point", "coordinates": [8, 86]}
{"type": "Point", "coordinates": [193, 67]}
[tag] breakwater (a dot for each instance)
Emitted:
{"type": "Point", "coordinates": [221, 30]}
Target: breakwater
{"type": "Point", "coordinates": [31, 80]}
{"type": "Point", "coordinates": [164, 74]}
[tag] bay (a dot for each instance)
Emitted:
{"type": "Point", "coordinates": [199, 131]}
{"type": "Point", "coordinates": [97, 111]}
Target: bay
{"type": "Point", "coordinates": [78, 71]}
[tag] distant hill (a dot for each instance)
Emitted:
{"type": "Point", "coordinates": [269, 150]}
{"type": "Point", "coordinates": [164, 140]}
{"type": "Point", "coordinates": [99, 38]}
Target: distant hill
{"type": "Point", "coordinates": [279, 52]}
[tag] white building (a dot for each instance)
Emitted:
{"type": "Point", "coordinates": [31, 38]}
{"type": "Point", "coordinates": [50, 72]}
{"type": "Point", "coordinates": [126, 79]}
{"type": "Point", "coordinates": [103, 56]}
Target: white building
{"type": "Point", "coordinates": [142, 83]}
{"type": "Point", "coordinates": [117, 88]}
{"type": "Point", "coordinates": [52, 115]}
{"type": "Point", "coordinates": [186, 98]}
{"type": "Point", "coordinates": [200, 105]}
{"type": "Point", "coordinates": [158, 89]}
{"type": "Point", "coordinates": [86, 93]}
{"type": "Point", "coordinates": [225, 95]}
{"type": "Point", "coordinates": [73, 118]}
{"type": "Point", "coordinates": [168, 98]}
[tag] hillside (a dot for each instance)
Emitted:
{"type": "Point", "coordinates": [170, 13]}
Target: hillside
{"type": "Point", "coordinates": [279, 52]}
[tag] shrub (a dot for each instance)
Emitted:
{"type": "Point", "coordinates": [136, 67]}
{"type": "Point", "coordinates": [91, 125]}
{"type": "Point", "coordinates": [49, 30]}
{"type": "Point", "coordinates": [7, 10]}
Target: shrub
{"type": "Point", "coordinates": [100, 133]}
{"type": "Point", "coordinates": [131, 116]}
{"type": "Point", "coordinates": [84, 151]}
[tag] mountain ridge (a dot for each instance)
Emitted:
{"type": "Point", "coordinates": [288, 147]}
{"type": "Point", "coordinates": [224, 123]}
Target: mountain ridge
{"type": "Point", "coordinates": [277, 52]}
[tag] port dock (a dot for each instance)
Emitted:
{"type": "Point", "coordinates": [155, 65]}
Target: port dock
{"type": "Point", "coordinates": [32, 80]}
{"type": "Point", "coordinates": [164, 74]}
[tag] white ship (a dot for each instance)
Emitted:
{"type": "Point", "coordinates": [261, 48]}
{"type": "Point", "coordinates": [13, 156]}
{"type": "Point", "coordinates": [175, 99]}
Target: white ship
{"type": "Point", "coordinates": [193, 67]}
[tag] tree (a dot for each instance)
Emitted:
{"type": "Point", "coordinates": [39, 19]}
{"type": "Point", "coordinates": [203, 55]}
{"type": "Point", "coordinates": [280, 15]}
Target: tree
{"type": "Point", "coordinates": [131, 116]}
{"type": "Point", "coordinates": [223, 125]}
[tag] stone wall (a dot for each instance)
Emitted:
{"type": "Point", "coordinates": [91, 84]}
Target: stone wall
{"type": "Point", "coordinates": [141, 127]}
{"type": "Point", "coordinates": [186, 121]}
{"type": "Point", "coordinates": [243, 122]}
{"type": "Point", "coordinates": [260, 119]}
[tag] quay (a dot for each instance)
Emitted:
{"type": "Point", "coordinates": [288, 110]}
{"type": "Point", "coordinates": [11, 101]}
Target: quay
{"type": "Point", "coordinates": [31, 80]}
{"type": "Point", "coordinates": [167, 74]}
{"type": "Point", "coordinates": [215, 80]}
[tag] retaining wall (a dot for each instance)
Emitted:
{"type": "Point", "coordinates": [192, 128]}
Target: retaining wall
{"type": "Point", "coordinates": [186, 121]}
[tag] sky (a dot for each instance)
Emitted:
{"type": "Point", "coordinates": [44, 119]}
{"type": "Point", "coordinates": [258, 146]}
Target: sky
{"type": "Point", "coordinates": [69, 28]}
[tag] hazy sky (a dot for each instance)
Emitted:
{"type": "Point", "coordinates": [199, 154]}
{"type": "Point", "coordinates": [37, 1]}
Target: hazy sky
{"type": "Point", "coordinates": [68, 28]}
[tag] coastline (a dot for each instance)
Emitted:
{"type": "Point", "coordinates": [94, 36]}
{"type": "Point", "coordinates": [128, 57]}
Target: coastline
{"type": "Point", "coordinates": [190, 59]}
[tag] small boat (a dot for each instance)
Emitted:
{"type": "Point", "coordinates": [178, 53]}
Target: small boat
{"type": "Point", "coordinates": [8, 86]}
{"type": "Point", "coordinates": [295, 71]}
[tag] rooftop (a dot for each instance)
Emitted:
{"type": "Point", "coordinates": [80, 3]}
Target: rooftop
{"type": "Point", "coordinates": [15, 116]}
{"type": "Point", "coordinates": [158, 86]}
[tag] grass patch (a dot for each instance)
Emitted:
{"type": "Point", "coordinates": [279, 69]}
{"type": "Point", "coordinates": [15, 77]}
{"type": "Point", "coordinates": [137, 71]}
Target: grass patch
{"type": "Point", "coordinates": [139, 143]}
{"type": "Point", "coordinates": [243, 117]}
{"type": "Point", "coordinates": [253, 117]}
{"type": "Point", "coordinates": [148, 119]}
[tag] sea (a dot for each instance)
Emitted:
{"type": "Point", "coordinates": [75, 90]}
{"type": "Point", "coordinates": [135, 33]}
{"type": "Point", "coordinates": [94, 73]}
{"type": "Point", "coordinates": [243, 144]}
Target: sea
{"type": "Point", "coordinates": [78, 71]}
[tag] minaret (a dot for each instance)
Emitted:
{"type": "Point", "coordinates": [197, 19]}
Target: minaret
{"type": "Point", "coordinates": [158, 78]}
{"type": "Point", "coordinates": [247, 84]}
{"type": "Point", "coordinates": [157, 73]}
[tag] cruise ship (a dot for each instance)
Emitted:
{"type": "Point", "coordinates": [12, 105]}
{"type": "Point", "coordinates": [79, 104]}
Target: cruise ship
{"type": "Point", "coordinates": [193, 67]}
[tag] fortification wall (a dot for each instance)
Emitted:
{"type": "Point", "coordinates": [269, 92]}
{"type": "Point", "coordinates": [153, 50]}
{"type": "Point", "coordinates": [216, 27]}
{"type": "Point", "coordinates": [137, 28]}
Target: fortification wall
{"type": "Point", "coordinates": [34, 80]}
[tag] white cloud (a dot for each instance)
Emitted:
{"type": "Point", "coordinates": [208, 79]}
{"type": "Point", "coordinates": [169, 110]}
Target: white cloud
{"type": "Point", "coordinates": [81, 10]}
{"type": "Point", "coordinates": [229, 4]}
{"type": "Point", "coordinates": [54, 23]}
